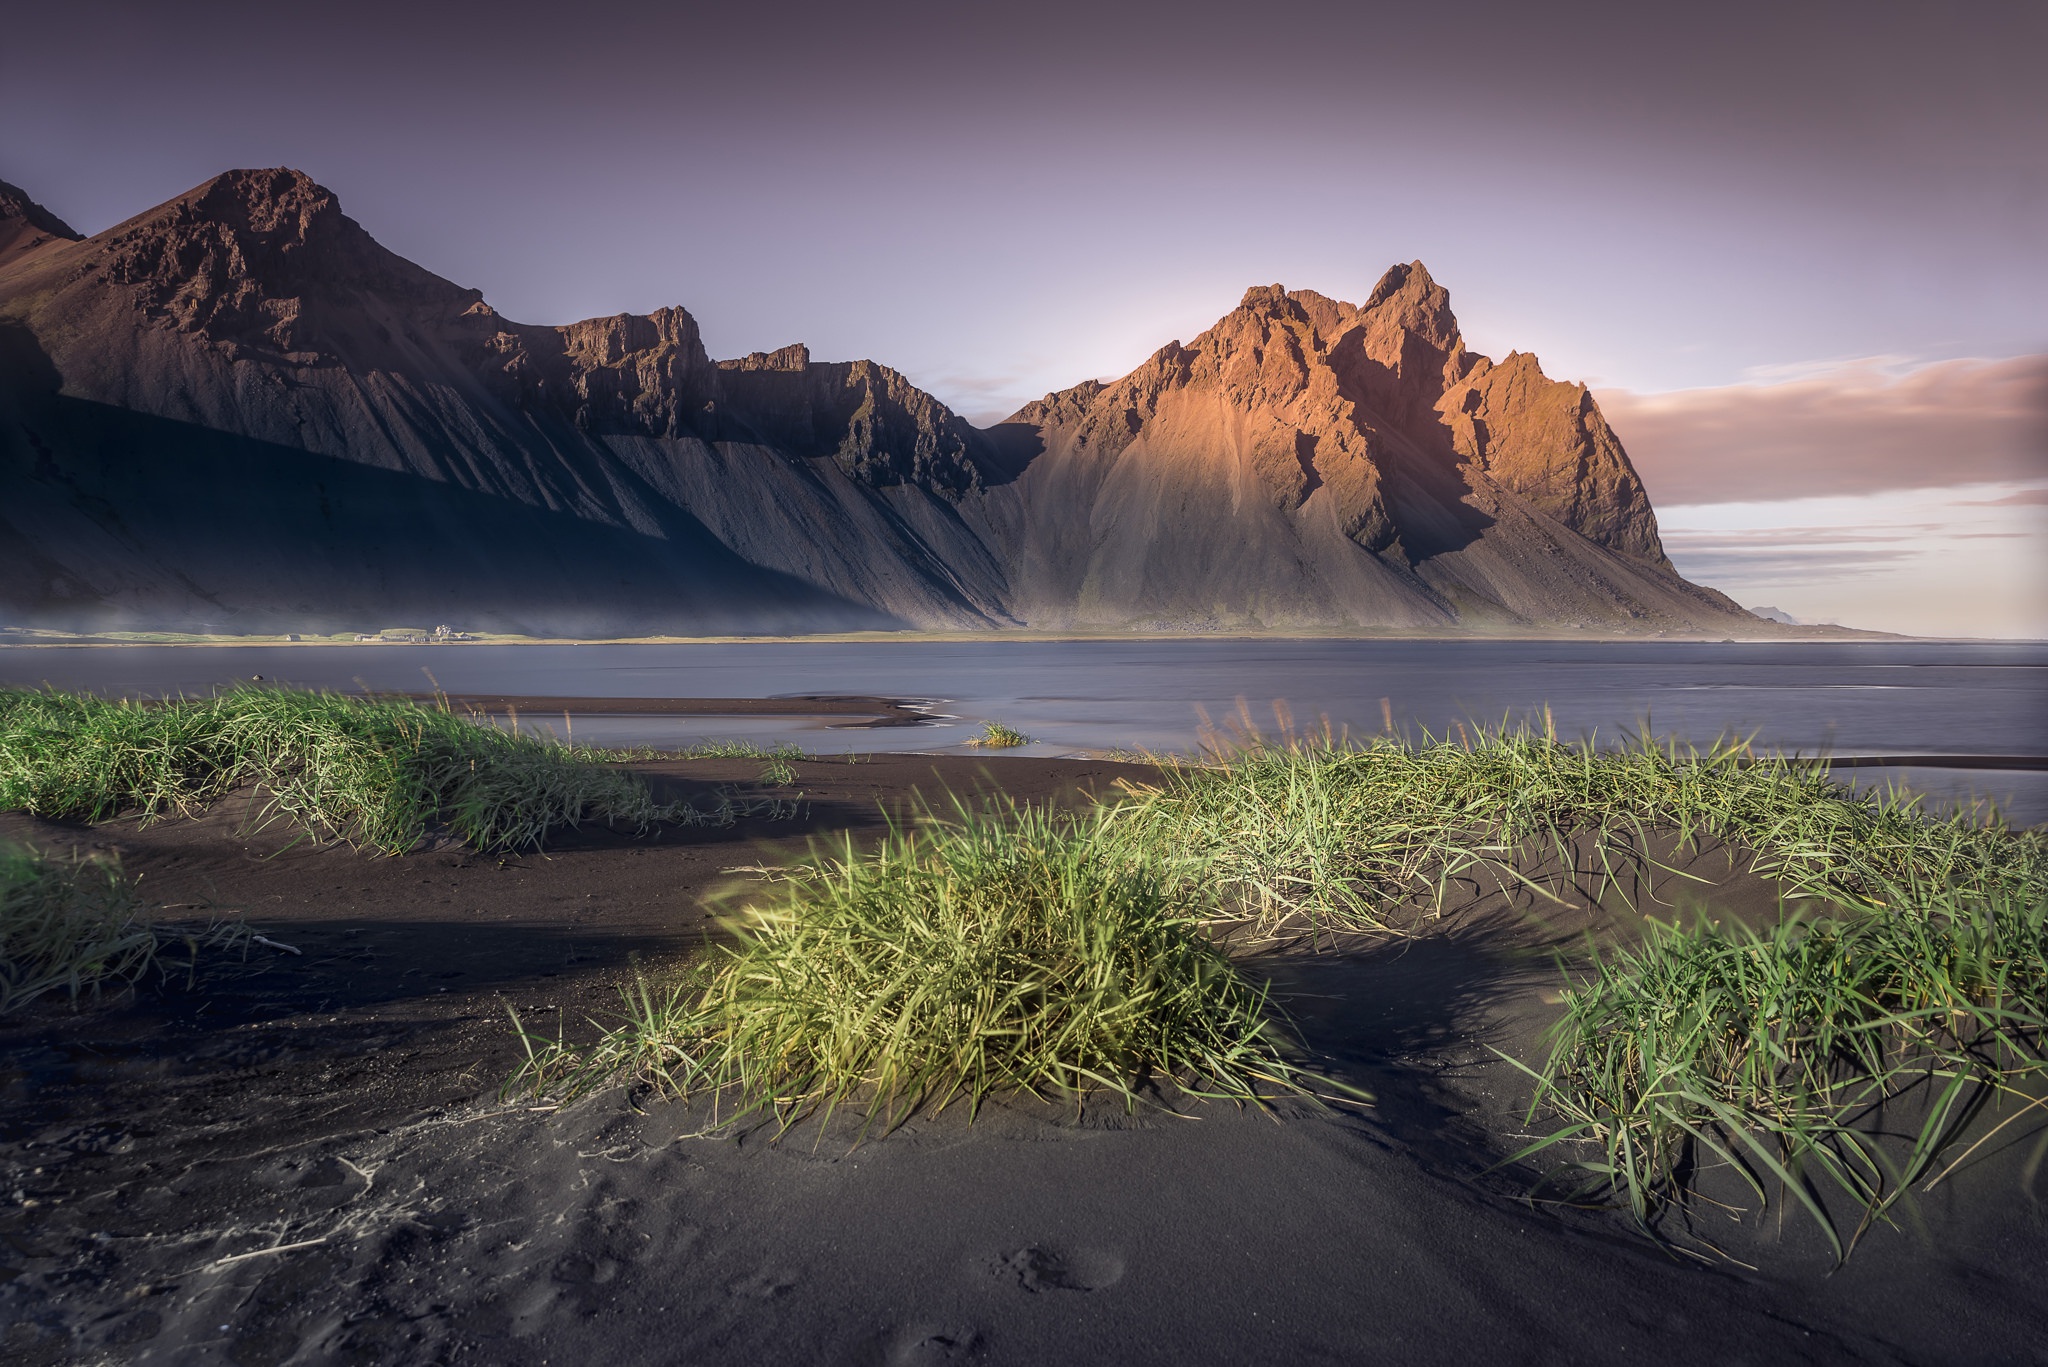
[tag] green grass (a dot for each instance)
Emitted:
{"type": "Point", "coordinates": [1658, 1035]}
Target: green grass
{"type": "Point", "coordinates": [380, 773]}
{"type": "Point", "coordinates": [779, 773]}
{"type": "Point", "coordinates": [734, 749]}
{"type": "Point", "coordinates": [1019, 949]}
{"type": "Point", "coordinates": [981, 953]}
{"type": "Point", "coordinates": [76, 926]}
{"type": "Point", "coordinates": [1911, 976]}
{"type": "Point", "coordinates": [1001, 949]}
{"type": "Point", "coordinates": [996, 735]}
{"type": "Point", "coordinates": [1343, 837]}
{"type": "Point", "coordinates": [1780, 1052]}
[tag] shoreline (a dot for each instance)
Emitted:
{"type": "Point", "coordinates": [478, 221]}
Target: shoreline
{"type": "Point", "coordinates": [876, 712]}
{"type": "Point", "coordinates": [1787, 635]}
{"type": "Point", "coordinates": [863, 710]}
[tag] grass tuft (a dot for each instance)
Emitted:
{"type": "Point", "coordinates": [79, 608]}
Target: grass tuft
{"type": "Point", "coordinates": [996, 735]}
{"type": "Point", "coordinates": [382, 773]}
{"type": "Point", "coordinates": [1002, 949]}
{"type": "Point", "coordinates": [75, 925]}
{"type": "Point", "coordinates": [1344, 836]}
{"type": "Point", "coordinates": [1779, 1051]}
{"type": "Point", "coordinates": [733, 749]}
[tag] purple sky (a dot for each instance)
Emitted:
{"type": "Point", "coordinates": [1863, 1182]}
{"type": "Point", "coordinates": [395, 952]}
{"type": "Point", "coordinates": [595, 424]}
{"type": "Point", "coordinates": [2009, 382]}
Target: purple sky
{"type": "Point", "coordinates": [1004, 199]}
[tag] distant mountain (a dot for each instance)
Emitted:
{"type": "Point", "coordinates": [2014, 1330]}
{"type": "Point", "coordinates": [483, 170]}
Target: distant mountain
{"type": "Point", "coordinates": [238, 411]}
{"type": "Point", "coordinates": [1308, 461]}
{"type": "Point", "coordinates": [1778, 615]}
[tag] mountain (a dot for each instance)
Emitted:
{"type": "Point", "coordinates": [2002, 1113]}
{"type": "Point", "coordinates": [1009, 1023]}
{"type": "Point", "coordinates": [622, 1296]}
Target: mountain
{"type": "Point", "coordinates": [26, 225]}
{"type": "Point", "coordinates": [1308, 461]}
{"type": "Point", "coordinates": [238, 411]}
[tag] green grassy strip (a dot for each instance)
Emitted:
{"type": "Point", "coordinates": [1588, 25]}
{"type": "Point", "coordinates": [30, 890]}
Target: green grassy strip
{"type": "Point", "coordinates": [729, 749]}
{"type": "Point", "coordinates": [1002, 949]}
{"type": "Point", "coordinates": [76, 926]}
{"type": "Point", "coordinates": [380, 773]}
{"type": "Point", "coordinates": [1339, 835]}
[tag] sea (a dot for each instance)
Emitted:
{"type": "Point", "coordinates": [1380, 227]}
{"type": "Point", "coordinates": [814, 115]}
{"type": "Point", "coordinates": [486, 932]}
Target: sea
{"type": "Point", "coordinates": [1977, 702]}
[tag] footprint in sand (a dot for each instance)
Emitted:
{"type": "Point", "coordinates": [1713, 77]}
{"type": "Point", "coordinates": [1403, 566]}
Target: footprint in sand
{"type": "Point", "coordinates": [1040, 1268]}
{"type": "Point", "coordinates": [924, 1345]}
{"type": "Point", "coordinates": [577, 1269]}
{"type": "Point", "coordinates": [761, 1286]}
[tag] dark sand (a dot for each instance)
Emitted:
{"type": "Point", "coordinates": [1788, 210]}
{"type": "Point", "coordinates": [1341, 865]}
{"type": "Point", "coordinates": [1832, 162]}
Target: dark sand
{"type": "Point", "coordinates": [303, 1159]}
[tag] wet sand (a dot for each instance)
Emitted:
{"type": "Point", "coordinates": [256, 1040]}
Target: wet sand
{"type": "Point", "coordinates": [304, 1159]}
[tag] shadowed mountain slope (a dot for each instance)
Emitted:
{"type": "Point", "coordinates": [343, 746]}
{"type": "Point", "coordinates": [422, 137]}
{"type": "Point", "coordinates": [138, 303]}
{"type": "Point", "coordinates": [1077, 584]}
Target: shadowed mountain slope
{"type": "Point", "coordinates": [239, 411]}
{"type": "Point", "coordinates": [186, 386]}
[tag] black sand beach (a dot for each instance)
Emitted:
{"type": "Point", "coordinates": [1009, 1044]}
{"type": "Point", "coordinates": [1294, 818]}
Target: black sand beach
{"type": "Point", "coordinates": [304, 1158]}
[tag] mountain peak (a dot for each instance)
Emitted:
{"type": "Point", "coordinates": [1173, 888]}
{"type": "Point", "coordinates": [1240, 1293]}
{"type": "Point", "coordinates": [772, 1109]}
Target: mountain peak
{"type": "Point", "coordinates": [26, 226]}
{"type": "Point", "coordinates": [17, 207]}
{"type": "Point", "coordinates": [1361, 406]}
{"type": "Point", "coordinates": [796, 356]}
{"type": "Point", "coordinates": [1413, 278]}
{"type": "Point", "coordinates": [265, 200]}
{"type": "Point", "coordinates": [269, 203]}
{"type": "Point", "coordinates": [261, 260]}
{"type": "Point", "coordinates": [1407, 300]}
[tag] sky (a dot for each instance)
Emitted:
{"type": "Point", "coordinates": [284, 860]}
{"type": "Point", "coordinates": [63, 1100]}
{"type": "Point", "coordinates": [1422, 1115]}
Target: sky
{"type": "Point", "coordinates": [1718, 216]}
{"type": "Point", "coordinates": [1883, 492]}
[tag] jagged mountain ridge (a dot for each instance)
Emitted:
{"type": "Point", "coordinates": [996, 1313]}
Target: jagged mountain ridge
{"type": "Point", "coordinates": [324, 392]}
{"type": "Point", "coordinates": [1236, 480]}
{"type": "Point", "coordinates": [238, 410]}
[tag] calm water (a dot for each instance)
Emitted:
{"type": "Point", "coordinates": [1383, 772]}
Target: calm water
{"type": "Point", "coordinates": [1862, 698]}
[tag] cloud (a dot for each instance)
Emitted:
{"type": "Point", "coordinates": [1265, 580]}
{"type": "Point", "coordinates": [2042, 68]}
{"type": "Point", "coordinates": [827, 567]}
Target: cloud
{"type": "Point", "coordinates": [2025, 498]}
{"type": "Point", "coordinates": [1974, 563]}
{"type": "Point", "coordinates": [1767, 555]}
{"type": "Point", "coordinates": [1855, 427]}
{"type": "Point", "coordinates": [1891, 367]}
